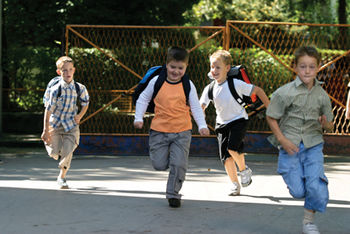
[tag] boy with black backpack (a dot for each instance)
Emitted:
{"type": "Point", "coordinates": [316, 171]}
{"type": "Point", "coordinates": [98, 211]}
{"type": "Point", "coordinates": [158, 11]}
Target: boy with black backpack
{"type": "Point", "coordinates": [231, 117]}
{"type": "Point", "coordinates": [61, 118]}
{"type": "Point", "coordinates": [171, 127]}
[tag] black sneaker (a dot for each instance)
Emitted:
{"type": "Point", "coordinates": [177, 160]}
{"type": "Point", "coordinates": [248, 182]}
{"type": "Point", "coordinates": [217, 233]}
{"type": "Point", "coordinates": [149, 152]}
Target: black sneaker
{"type": "Point", "coordinates": [174, 202]}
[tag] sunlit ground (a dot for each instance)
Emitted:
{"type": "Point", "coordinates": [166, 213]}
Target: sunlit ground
{"type": "Point", "coordinates": [135, 177]}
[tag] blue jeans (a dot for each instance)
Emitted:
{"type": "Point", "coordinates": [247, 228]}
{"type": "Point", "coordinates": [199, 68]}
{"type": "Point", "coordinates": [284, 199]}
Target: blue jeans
{"type": "Point", "coordinates": [304, 175]}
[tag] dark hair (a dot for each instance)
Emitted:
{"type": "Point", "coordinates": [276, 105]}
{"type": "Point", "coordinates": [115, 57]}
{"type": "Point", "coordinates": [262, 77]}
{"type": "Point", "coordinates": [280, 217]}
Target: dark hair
{"type": "Point", "coordinates": [306, 50]}
{"type": "Point", "coordinates": [177, 54]}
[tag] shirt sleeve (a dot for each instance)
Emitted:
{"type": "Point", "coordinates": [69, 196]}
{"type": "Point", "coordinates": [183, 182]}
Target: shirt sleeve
{"type": "Point", "coordinates": [204, 100]}
{"type": "Point", "coordinates": [243, 88]}
{"type": "Point", "coordinates": [196, 108]}
{"type": "Point", "coordinates": [46, 96]}
{"type": "Point", "coordinates": [84, 95]}
{"type": "Point", "coordinates": [52, 101]}
{"type": "Point", "coordinates": [276, 107]}
{"type": "Point", "coordinates": [143, 100]}
{"type": "Point", "coordinates": [327, 108]}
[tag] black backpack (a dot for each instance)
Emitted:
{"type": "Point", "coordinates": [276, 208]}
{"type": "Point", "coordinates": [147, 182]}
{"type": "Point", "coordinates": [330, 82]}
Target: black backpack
{"type": "Point", "coordinates": [59, 92]}
{"type": "Point", "coordinates": [252, 104]}
{"type": "Point", "coordinates": [162, 72]}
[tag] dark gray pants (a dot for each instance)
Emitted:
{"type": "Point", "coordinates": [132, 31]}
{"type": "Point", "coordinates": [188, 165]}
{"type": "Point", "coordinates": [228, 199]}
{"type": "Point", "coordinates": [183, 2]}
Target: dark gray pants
{"type": "Point", "coordinates": [170, 150]}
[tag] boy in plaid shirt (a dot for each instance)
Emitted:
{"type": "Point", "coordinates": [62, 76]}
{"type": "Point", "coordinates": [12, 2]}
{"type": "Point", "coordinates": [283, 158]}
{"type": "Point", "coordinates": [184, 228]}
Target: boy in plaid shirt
{"type": "Point", "coordinates": [61, 118]}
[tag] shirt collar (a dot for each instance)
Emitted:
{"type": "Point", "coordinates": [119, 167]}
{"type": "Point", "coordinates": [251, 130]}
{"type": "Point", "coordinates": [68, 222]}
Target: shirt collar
{"type": "Point", "coordinates": [65, 85]}
{"type": "Point", "coordinates": [298, 82]}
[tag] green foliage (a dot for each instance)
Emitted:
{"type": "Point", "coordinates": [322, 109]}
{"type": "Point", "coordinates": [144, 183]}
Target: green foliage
{"type": "Point", "coordinates": [314, 11]}
{"type": "Point", "coordinates": [30, 69]}
{"type": "Point", "coordinates": [253, 10]}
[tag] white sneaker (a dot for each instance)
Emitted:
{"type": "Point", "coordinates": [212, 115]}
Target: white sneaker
{"type": "Point", "coordinates": [235, 190]}
{"type": "Point", "coordinates": [310, 228]}
{"type": "Point", "coordinates": [62, 183]}
{"type": "Point", "coordinates": [246, 176]}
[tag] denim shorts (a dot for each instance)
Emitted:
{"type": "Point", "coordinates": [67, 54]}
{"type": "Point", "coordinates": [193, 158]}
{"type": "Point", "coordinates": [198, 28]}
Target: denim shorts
{"type": "Point", "coordinates": [304, 175]}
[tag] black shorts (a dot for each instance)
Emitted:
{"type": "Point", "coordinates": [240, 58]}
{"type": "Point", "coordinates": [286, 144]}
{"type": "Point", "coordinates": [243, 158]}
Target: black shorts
{"type": "Point", "coordinates": [230, 137]}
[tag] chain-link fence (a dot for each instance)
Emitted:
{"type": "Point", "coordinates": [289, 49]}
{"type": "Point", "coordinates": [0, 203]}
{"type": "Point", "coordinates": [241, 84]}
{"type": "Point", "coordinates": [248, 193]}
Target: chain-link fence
{"type": "Point", "coordinates": [111, 60]}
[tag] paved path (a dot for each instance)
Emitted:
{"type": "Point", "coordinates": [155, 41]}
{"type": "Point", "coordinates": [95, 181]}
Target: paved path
{"type": "Point", "coordinates": [125, 195]}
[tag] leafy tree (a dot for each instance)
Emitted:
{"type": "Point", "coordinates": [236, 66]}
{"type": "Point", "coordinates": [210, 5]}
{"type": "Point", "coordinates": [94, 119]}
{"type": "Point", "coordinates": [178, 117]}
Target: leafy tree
{"type": "Point", "coordinates": [253, 10]}
{"type": "Point", "coordinates": [310, 11]}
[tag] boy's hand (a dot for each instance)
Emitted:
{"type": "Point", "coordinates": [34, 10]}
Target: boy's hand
{"type": "Point", "coordinates": [77, 119]}
{"type": "Point", "coordinates": [289, 146]}
{"type": "Point", "coordinates": [138, 124]}
{"type": "Point", "coordinates": [46, 137]}
{"type": "Point", "coordinates": [204, 131]}
{"type": "Point", "coordinates": [328, 126]}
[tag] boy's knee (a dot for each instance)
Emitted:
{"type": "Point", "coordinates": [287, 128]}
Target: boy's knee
{"type": "Point", "coordinates": [297, 191]}
{"type": "Point", "coordinates": [319, 188]}
{"type": "Point", "coordinates": [54, 156]}
{"type": "Point", "coordinates": [159, 167]}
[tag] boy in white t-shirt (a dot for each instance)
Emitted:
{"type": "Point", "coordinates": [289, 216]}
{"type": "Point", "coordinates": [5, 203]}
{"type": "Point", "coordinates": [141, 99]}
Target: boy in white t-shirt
{"type": "Point", "coordinates": [231, 118]}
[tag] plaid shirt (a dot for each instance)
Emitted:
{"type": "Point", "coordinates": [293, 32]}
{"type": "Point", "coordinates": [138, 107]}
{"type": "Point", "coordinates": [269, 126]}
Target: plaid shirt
{"type": "Point", "coordinates": [64, 108]}
{"type": "Point", "coordinates": [46, 97]}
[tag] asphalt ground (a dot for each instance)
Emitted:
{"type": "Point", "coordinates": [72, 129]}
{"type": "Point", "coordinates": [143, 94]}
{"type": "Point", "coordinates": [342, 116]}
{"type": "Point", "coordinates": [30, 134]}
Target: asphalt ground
{"type": "Point", "coordinates": [124, 194]}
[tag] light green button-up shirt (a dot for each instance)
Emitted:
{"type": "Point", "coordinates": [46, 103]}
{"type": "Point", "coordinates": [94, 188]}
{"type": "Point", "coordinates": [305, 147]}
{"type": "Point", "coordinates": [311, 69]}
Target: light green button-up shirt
{"type": "Point", "coordinates": [298, 110]}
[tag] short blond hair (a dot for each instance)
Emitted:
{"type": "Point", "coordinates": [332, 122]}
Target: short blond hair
{"type": "Point", "coordinates": [224, 55]}
{"type": "Point", "coordinates": [63, 60]}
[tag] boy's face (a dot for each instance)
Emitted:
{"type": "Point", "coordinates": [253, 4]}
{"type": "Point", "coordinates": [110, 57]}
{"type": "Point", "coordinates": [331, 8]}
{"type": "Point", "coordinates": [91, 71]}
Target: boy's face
{"type": "Point", "coordinates": [219, 69]}
{"type": "Point", "coordinates": [67, 72]}
{"type": "Point", "coordinates": [307, 69]}
{"type": "Point", "coordinates": [175, 70]}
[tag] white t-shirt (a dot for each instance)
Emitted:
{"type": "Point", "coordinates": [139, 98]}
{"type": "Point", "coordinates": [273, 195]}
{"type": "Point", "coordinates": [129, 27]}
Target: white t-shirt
{"type": "Point", "coordinates": [227, 108]}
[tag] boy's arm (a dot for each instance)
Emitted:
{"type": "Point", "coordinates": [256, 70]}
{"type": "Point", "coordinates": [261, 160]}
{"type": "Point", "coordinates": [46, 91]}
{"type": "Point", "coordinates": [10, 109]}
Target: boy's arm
{"type": "Point", "coordinates": [286, 144]}
{"type": "Point", "coordinates": [326, 125]}
{"type": "Point", "coordinates": [82, 112]}
{"type": "Point", "coordinates": [143, 102]}
{"type": "Point", "coordinates": [262, 95]}
{"type": "Point", "coordinates": [197, 111]}
{"type": "Point", "coordinates": [45, 136]}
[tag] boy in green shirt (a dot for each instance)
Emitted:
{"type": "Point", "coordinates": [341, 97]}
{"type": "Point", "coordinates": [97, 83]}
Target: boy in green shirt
{"type": "Point", "coordinates": [297, 115]}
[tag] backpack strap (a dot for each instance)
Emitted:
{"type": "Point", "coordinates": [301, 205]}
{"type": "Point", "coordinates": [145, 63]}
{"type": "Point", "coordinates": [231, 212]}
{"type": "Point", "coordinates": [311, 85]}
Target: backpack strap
{"type": "Point", "coordinates": [77, 89]}
{"type": "Point", "coordinates": [187, 87]}
{"type": "Point", "coordinates": [234, 93]}
{"type": "Point", "coordinates": [158, 84]}
{"type": "Point", "coordinates": [210, 90]}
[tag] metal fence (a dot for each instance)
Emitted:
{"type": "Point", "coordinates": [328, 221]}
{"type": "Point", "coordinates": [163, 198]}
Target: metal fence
{"type": "Point", "coordinates": [110, 60]}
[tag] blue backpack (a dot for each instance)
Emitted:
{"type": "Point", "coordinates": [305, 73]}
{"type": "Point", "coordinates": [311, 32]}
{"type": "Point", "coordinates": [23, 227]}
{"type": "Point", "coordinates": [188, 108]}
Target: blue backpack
{"type": "Point", "coordinates": [162, 72]}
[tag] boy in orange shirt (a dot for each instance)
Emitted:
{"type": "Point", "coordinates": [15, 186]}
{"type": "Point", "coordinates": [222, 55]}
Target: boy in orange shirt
{"type": "Point", "coordinates": [171, 128]}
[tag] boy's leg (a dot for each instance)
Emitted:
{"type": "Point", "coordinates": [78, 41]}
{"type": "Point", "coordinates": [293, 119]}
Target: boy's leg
{"type": "Point", "coordinates": [238, 159]}
{"type": "Point", "coordinates": [235, 145]}
{"type": "Point", "coordinates": [223, 136]}
{"type": "Point", "coordinates": [159, 150]}
{"type": "Point", "coordinates": [290, 167]}
{"type": "Point", "coordinates": [316, 183]}
{"type": "Point", "coordinates": [54, 148]}
{"type": "Point", "coordinates": [178, 162]}
{"type": "Point", "coordinates": [70, 143]}
{"type": "Point", "coordinates": [231, 169]}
